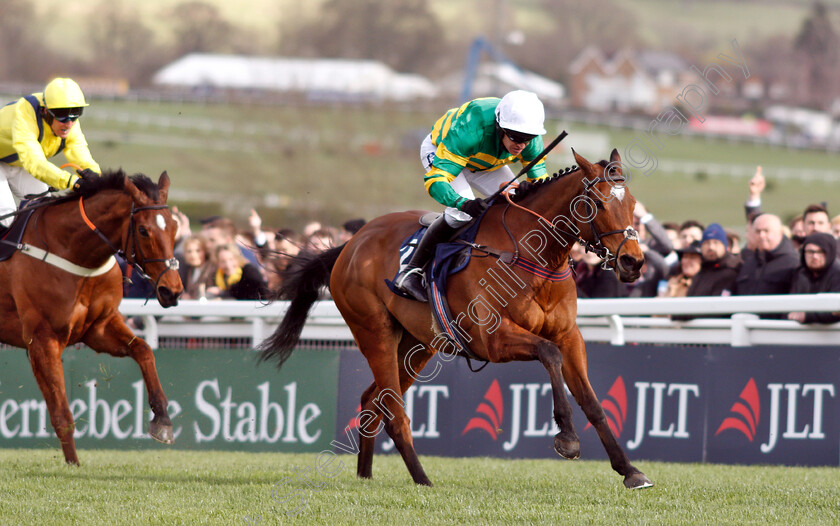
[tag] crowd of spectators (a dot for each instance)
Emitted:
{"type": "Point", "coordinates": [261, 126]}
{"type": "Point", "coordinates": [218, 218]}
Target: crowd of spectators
{"type": "Point", "coordinates": [219, 261]}
{"type": "Point", "coordinates": [687, 259]}
{"type": "Point", "coordinates": [692, 259]}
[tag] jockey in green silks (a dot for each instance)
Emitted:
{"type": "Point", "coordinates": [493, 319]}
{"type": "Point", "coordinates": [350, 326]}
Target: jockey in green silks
{"type": "Point", "coordinates": [471, 147]}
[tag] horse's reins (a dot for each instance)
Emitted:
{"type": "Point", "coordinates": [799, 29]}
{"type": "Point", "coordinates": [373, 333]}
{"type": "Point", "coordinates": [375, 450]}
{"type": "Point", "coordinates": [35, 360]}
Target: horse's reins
{"type": "Point", "coordinates": [132, 259]}
{"type": "Point", "coordinates": [598, 247]}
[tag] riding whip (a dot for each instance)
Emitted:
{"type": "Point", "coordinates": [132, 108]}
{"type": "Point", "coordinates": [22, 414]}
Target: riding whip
{"type": "Point", "coordinates": [530, 165]}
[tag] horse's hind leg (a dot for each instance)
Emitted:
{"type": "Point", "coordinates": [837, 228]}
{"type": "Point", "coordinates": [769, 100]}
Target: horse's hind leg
{"type": "Point", "coordinates": [45, 358]}
{"type": "Point", "coordinates": [364, 466]}
{"type": "Point", "coordinates": [383, 359]}
{"type": "Point", "coordinates": [412, 359]}
{"type": "Point", "coordinates": [115, 338]}
{"type": "Point", "coordinates": [574, 370]}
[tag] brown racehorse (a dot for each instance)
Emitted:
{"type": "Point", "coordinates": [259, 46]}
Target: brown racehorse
{"type": "Point", "coordinates": [44, 307]}
{"type": "Point", "coordinates": [590, 203]}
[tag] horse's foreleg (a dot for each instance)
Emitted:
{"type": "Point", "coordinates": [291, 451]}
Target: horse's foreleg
{"type": "Point", "coordinates": [115, 338]}
{"type": "Point", "coordinates": [566, 442]}
{"type": "Point", "coordinates": [45, 358]}
{"type": "Point", "coordinates": [574, 370]}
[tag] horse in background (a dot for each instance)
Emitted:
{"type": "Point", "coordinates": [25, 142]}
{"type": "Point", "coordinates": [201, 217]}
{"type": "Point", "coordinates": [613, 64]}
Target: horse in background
{"type": "Point", "coordinates": [62, 284]}
{"type": "Point", "coordinates": [398, 336]}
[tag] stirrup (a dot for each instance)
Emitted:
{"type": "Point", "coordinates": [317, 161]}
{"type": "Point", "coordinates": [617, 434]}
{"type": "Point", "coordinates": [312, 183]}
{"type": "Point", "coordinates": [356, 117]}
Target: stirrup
{"type": "Point", "coordinates": [416, 291]}
{"type": "Point", "coordinates": [405, 274]}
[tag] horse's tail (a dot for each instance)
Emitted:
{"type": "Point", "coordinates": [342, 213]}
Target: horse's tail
{"type": "Point", "coordinates": [302, 282]}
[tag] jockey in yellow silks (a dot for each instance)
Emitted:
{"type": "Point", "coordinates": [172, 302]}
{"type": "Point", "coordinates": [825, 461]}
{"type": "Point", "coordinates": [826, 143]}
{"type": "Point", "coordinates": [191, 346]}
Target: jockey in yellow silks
{"type": "Point", "coordinates": [35, 128]}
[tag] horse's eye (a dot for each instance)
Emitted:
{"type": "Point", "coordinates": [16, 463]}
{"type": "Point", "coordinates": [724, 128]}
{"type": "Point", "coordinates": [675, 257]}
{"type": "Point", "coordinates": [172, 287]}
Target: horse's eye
{"type": "Point", "coordinates": [143, 231]}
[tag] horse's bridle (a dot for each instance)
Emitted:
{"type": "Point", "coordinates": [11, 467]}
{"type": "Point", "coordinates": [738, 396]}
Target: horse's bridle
{"type": "Point", "coordinates": [132, 257]}
{"type": "Point", "coordinates": [597, 247]}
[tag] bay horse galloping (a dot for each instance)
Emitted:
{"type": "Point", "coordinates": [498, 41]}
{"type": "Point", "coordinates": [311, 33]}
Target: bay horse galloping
{"type": "Point", "coordinates": [62, 285]}
{"type": "Point", "coordinates": [590, 204]}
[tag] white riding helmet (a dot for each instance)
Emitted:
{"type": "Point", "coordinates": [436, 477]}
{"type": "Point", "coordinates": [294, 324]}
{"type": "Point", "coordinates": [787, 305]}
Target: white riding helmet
{"type": "Point", "coordinates": [521, 111]}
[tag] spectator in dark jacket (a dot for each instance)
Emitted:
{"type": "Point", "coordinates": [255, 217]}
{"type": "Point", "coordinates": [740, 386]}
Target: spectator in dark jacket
{"type": "Point", "coordinates": [769, 268]}
{"type": "Point", "coordinates": [819, 271]}
{"type": "Point", "coordinates": [594, 282]}
{"type": "Point", "coordinates": [719, 268]}
{"type": "Point", "coordinates": [236, 278]}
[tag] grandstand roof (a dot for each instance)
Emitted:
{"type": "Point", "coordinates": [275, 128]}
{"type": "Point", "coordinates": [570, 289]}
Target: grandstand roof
{"type": "Point", "coordinates": [319, 78]}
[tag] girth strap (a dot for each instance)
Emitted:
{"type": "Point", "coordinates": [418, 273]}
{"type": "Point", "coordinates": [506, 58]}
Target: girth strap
{"type": "Point", "coordinates": [63, 264]}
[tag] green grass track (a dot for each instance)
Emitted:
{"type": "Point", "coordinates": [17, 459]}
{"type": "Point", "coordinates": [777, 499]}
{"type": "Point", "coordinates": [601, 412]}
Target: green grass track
{"type": "Point", "coordinates": [178, 487]}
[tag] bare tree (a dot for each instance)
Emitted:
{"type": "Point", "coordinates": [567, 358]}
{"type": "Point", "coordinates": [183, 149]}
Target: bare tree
{"type": "Point", "coordinates": [200, 28]}
{"type": "Point", "coordinates": [816, 48]}
{"type": "Point", "coordinates": [24, 56]}
{"type": "Point", "coordinates": [405, 34]}
{"type": "Point", "coordinates": [122, 46]}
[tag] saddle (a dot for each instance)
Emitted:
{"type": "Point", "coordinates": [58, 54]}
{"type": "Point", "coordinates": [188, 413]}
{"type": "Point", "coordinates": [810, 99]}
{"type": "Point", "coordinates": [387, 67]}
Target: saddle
{"type": "Point", "coordinates": [449, 258]}
{"type": "Point", "coordinates": [10, 238]}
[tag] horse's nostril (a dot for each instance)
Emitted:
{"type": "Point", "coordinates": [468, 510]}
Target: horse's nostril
{"type": "Point", "coordinates": [631, 263]}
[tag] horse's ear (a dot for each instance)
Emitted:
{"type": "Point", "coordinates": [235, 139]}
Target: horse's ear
{"type": "Point", "coordinates": [163, 187]}
{"type": "Point", "coordinates": [134, 192]}
{"type": "Point", "coordinates": [583, 163]}
{"type": "Point", "coordinates": [614, 157]}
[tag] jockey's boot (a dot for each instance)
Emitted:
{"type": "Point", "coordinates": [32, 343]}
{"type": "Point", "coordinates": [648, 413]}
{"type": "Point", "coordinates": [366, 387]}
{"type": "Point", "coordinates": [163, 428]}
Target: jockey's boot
{"type": "Point", "coordinates": [410, 278]}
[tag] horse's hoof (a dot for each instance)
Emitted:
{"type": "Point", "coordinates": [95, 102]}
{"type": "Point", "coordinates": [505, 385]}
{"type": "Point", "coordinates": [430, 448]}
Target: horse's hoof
{"type": "Point", "coordinates": [637, 481]}
{"type": "Point", "coordinates": [424, 482]}
{"type": "Point", "coordinates": [569, 449]}
{"type": "Point", "coordinates": [161, 433]}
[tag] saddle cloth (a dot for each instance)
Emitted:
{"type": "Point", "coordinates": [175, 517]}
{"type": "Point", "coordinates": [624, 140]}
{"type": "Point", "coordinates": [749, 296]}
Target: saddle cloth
{"type": "Point", "coordinates": [449, 259]}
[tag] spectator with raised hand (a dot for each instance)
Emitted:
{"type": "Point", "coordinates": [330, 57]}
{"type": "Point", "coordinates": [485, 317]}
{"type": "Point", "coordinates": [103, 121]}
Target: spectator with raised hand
{"type": "Point", "coordinates": [719, 268]}
{"type": "Point", "coordinates": [653, 233]}
{"type": "Point", "coordinates": [756, 187]}
{"type": "Point", "coordinates": [673, 232]}
{"type": "Point", "coordinates": [770, 267]}
{"type": "Point", "coordinates": [222, 231]}
{"type": "Point", "coordinates": [819, 271]}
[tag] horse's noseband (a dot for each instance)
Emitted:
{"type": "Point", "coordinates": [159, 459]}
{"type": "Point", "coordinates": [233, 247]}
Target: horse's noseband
{"type": "Point", "coordinates": [139, 264]}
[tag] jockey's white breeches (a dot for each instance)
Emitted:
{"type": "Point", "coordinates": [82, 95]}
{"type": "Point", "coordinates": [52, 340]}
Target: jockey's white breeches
{"type": "Point", "coordinates": [486, 182]}
{"type": "Point", "coordinates": [15, 182]}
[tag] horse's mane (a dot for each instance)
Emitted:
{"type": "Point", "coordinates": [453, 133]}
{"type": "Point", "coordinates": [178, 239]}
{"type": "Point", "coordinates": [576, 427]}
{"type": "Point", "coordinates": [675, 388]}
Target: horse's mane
{"type": "Point", "coordinates": [115, 180]}
{"type": "Point", "coordinates": [537, 185]}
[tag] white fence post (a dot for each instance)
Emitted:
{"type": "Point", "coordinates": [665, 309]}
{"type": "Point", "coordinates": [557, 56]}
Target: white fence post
{"type": "Point", "coordinates": [740, 332]}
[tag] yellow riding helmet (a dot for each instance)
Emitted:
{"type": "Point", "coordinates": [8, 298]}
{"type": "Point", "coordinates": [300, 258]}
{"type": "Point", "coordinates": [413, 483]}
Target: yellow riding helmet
{"type": "Point", "coordinates": [63, 93]}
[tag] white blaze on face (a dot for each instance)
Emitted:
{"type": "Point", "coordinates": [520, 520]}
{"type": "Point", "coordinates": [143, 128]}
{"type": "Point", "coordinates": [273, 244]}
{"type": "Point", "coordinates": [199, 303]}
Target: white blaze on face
{"type": "Point", "coordinates": [618, 191]}
{"type": "Point", "coordinates": [161, 222]}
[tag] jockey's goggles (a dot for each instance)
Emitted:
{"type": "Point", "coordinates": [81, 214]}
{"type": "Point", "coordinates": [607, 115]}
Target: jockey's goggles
{"type": "Point", "coordinates": [65, 114]}
{"type": "Point", "coordinates": [518, 137]}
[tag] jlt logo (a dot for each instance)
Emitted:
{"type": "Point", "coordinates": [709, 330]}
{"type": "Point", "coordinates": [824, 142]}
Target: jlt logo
{"type": "Point", "coordinates": [429, 428]}
{"type": "Point", "coordinates": [615, 407]}
{"type": "Point", "coordinates": [659, 390]}
{"type": "Point", "coordinates": [745, 413]}
{"type": "Point", "coordinates": [531, 410]}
